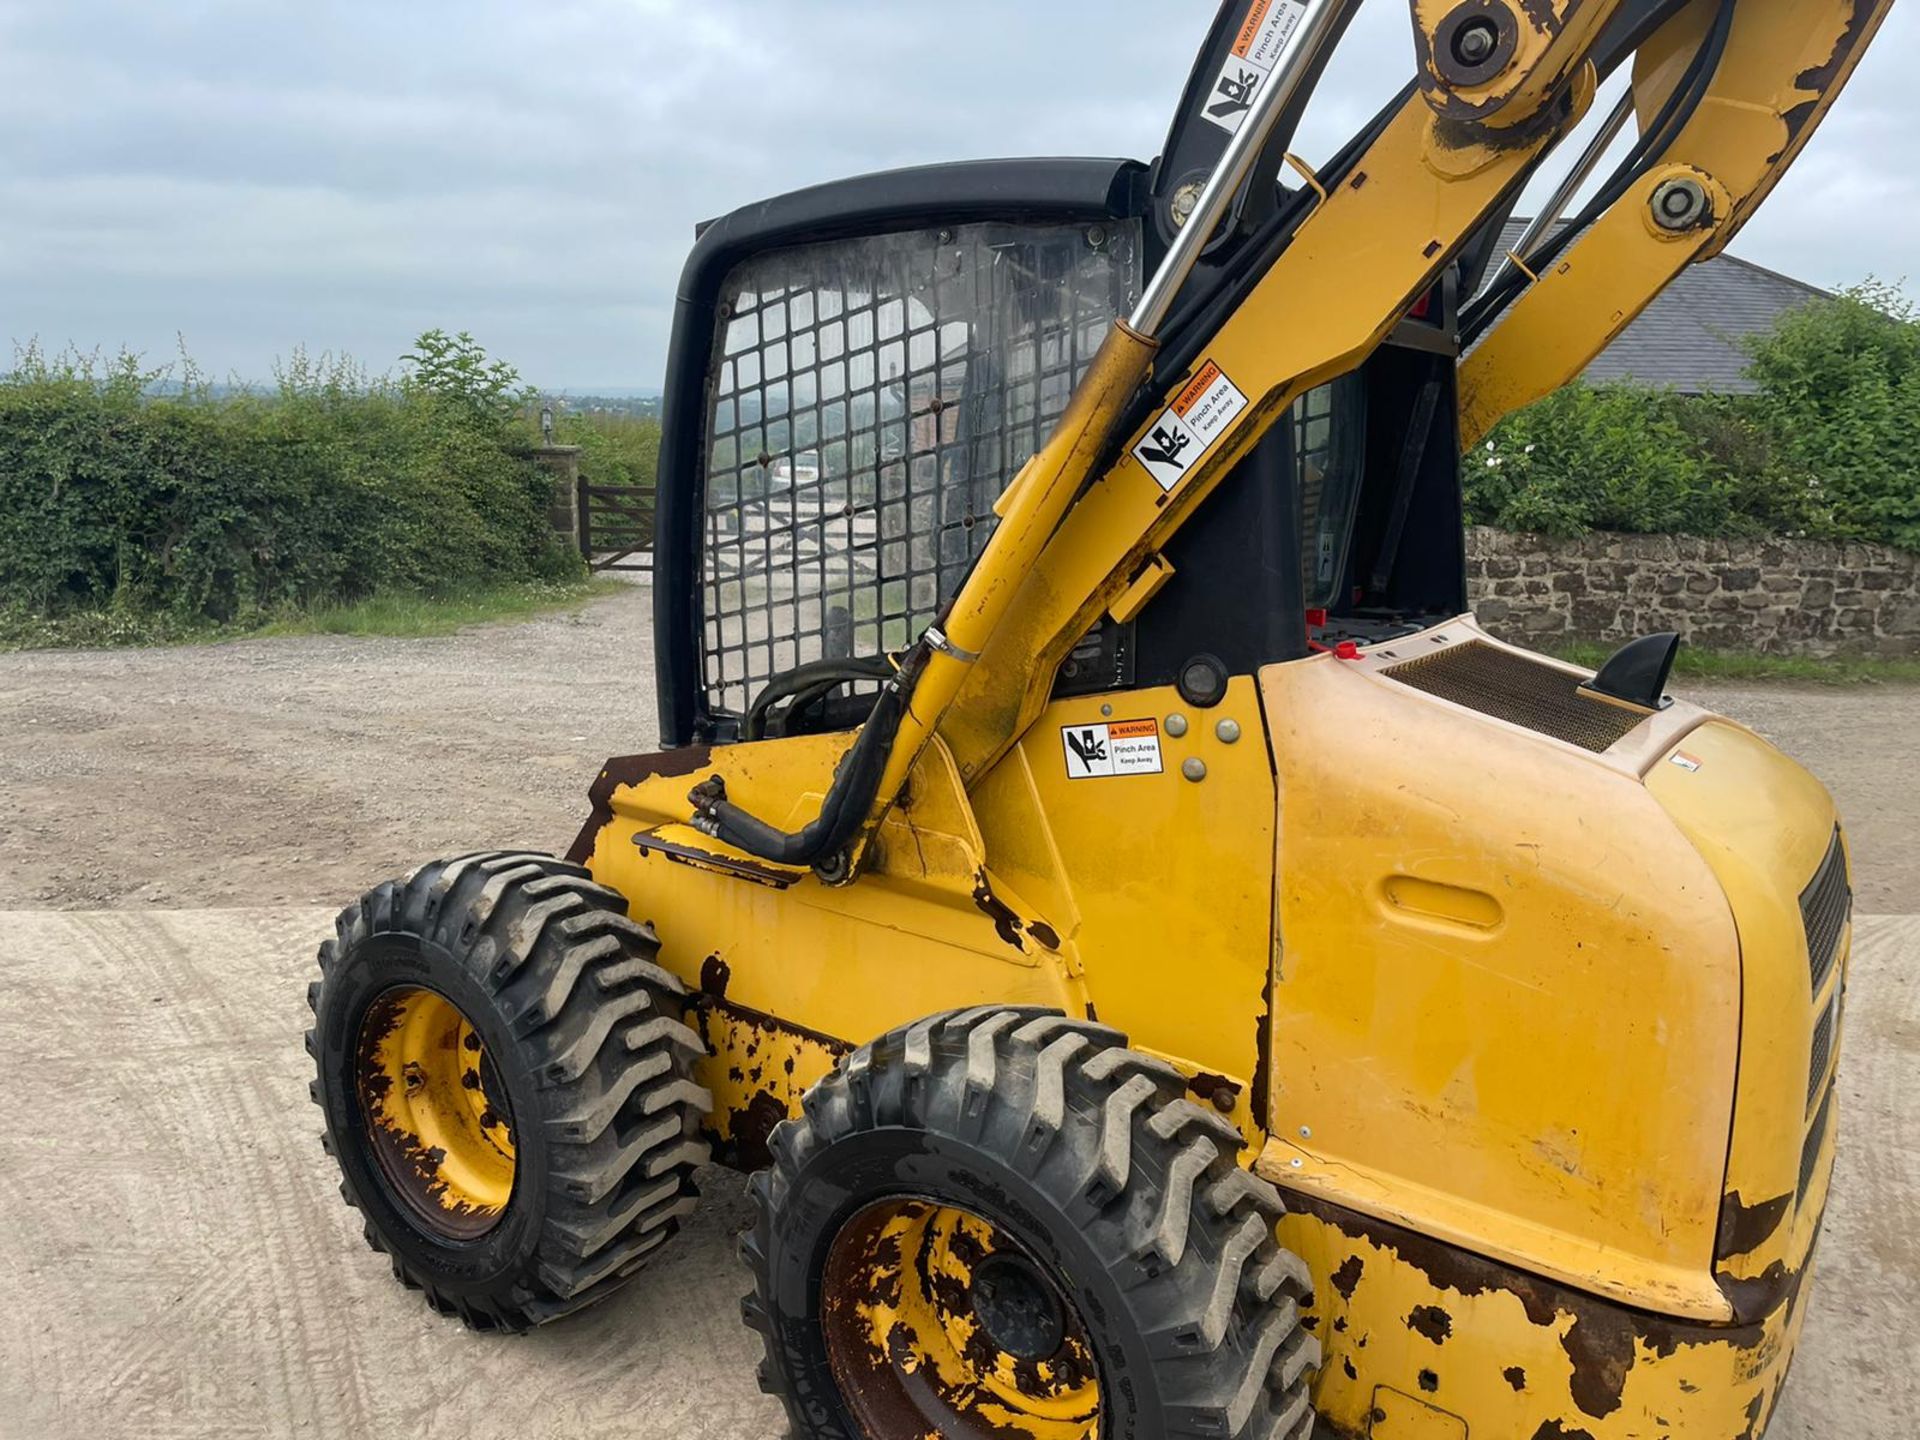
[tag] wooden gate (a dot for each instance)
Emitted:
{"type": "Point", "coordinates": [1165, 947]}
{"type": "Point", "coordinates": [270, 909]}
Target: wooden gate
{"type": "Point", "coordinates": [616, 527]}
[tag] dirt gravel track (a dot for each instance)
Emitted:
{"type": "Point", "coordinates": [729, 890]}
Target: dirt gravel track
{"type": "Point", "coordinates": [177, 1265]}
{"type": "Point", "coordinates": [176, 1261]}
{"type": "Point", "coordinates": [298, 771]}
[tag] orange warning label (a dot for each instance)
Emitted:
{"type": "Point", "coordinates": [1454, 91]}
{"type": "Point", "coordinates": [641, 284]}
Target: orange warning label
{"type": "Point", "coordinates": [1195, 389]}
{"type": "Point", "coordinates": [1203, 409]}
{"type": "Point", "coordinates": [1111, 747]}
{"type": "Point", "coordinates": [1269, 26]}
{"type": "Point", "coordinates": [1250, 31]}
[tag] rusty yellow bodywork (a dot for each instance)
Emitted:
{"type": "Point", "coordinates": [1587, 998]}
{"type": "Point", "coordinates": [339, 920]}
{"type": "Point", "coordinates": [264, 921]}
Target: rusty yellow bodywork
{"type": "Point", "coordinates": [1522, 1027]}
{"type": "Point", "coordinates": [1474, 993]}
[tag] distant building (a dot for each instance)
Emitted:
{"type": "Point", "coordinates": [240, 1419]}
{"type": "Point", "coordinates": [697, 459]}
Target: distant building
{"type": "Point", "coordinates": [1691, 338]}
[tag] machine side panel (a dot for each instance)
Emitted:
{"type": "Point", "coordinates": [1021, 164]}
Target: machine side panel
{"type": "Point", "coordinates": [1507, 1011]}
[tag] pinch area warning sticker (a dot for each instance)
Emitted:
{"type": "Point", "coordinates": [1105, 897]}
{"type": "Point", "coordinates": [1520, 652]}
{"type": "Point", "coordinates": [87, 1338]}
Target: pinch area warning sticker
{"type": "Point", "coordinates": [1113, 747]}
{"type": "Point", "coordinates": [1199, 414]}
{"type": "Point", "coordinates": [1256, 50]}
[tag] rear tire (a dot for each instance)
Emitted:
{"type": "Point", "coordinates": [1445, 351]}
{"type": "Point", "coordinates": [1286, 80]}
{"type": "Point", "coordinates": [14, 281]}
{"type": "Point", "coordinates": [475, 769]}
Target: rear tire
{"type": "Point", "coordinates": [1117, 1224]}
{"type": "Point", "coordinates": [507, 1084]}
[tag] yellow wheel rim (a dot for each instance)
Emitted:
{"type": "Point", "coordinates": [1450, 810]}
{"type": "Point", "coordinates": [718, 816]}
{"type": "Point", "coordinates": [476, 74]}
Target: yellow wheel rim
{"type": "Point", "coordinates": [436, 1113]}
{"type": "Point", "coordinates": [937, 1322]}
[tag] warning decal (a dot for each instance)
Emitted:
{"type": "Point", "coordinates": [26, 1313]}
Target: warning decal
{"type": "Point", "coordinates": [1256, 50]}
{"type": "Point", "coordinates": [1113, 747]}
{"type": "Point", "coordinates": [1203, 409]}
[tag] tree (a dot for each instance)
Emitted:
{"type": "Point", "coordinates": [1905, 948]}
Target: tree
{"type": "Point", "coordinates": [1840, 390]}
{"type": "Point", "coordinates": [456, 368]}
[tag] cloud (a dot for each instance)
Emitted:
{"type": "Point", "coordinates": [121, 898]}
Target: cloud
{"type": "Point", "coordinates": [257, 177]}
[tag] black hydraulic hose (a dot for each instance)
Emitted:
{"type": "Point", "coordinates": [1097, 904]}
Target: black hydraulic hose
{"type": "Point", "coordinates": [1674, 115]}
{"type": "Point", "coordinates": [797, 705]}
{"type": "Point", "coordinates": [802, 678]}
{"type": "Point", "coordinates": [849, 798]}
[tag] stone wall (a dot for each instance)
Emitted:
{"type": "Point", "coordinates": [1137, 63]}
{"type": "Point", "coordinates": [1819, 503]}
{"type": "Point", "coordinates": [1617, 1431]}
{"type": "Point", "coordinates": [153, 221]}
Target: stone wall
{"type": "Point", "coordinates": [1783, 597]}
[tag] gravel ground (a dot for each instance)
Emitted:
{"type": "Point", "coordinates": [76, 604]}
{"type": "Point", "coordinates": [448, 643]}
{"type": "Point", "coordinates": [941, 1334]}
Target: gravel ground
{"type": "Point", "coordinates": [177, 1260]}
{"type": "Point", "coordinates": [178, 1266]}
{"type": "Point", "coordinates": [303, 770]}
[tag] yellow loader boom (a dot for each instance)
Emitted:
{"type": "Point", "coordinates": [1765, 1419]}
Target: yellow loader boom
{"type": "Point", "coordinates": [1168, 970]}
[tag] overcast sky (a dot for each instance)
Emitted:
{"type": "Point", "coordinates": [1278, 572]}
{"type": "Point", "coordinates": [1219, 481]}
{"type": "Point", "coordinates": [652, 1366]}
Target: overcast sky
{"type": "Point", "coordinates": [255, 176]}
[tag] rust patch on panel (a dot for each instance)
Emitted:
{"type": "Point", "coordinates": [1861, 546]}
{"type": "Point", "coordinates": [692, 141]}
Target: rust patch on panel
{"type": "Point", "coordinates": [1821, 79]}
{"type": "Point", "coordinates": [1601, 1354]}
{"type": "Point", "coordinates": [630, 770]}
{"type": "Point", "coordinates": [1217, 1090]}
{"type": "Point", "coordinates": [649, 842]}
{"type": "Point", "coordinates": [1603, 1340]}
{"type": "Point", "coordinates": [1347, 1277]}
{"type": "Point", "coordinates": [1432, 1322]}
{"type": "Point", "coordinates": [761, 1090]}
{"type": "Point", "coordinates": [1745, 1228]}
{"type": "Point", "coordinates": [1007, 922]}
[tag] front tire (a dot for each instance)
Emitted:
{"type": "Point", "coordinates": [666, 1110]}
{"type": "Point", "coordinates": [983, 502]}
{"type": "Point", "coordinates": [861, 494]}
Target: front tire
{"type": "Point", "coordinates": [507, 1084]}
{"type": "Point", "coordinates": [1004, 1222]}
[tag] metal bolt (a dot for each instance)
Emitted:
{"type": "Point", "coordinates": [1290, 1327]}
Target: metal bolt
{"type": "Point", "coordinates": [1306, 1132]}
{"type": "Point", "coordinates": [1681, 204]}
{"type": "Point", "coordinates": [945, 237]}
{"type": "Point", "coordinates": [1096, 236]}
{"type": "Point", "coordinates": [1194, 768]}
{"type": "Point", "coordinates": [1228, 731]}
{"type": "Point", "coordinates": [1476, 42]}
{"type": "Point", "coordinates": [1185, 199]}
{"type": "Point", "coordinates": [1106, 709]}
{"type": "Point", "coordinates": [1297, 1163]}
{"type": "Point", "coordinates": [1176, 724]}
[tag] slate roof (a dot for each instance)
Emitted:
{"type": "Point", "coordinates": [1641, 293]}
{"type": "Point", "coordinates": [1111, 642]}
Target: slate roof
{"type": "Point", "coordinates": [1689, 338]}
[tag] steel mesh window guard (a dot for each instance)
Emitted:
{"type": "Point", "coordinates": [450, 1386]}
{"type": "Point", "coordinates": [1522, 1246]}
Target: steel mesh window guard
{"type": "Point", "coordinates": [870, 399]}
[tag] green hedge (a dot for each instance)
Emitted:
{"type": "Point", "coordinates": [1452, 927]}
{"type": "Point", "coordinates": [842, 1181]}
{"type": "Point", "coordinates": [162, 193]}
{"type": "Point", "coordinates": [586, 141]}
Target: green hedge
{"type": "Point", "coordinates": [219, 507]}
{"type": "Point", "coordinates": [1829, 446]}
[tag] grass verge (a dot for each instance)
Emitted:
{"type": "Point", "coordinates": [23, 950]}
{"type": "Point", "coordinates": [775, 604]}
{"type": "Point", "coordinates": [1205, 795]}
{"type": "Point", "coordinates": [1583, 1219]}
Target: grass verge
{"type": "Point", "coordinates": [392, 614]}
{"type": "Point", "coordinates": [1697, 664]}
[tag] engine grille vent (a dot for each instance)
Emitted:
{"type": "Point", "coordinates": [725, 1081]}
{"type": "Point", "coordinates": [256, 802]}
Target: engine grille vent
{"type": "Point", "coordinates": [1826, 905]}
{"type": "Point", "coordinates": [1822, 1049]}
{"type": "Point", "coordinates": [1810, 1151]}
{"type": "Point", "coordinates": [1520, 691]}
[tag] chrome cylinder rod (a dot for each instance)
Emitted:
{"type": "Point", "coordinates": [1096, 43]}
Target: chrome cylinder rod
{"type": "Point", "coordinates": [1555, 209]}
{"type": "Point", "coordinates": [1319, 22]}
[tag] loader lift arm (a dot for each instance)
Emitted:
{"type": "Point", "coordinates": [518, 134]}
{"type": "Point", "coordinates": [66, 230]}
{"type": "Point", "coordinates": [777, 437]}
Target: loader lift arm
{"type": "Point", "coordinates": [1728, 92]}
{"type": "Point", "coordinates": [1774, 72]}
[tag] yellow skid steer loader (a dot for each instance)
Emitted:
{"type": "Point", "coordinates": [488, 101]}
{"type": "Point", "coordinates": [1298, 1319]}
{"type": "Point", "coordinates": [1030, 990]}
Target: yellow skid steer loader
{"type": "Point", "coordinates": [1169, 971]}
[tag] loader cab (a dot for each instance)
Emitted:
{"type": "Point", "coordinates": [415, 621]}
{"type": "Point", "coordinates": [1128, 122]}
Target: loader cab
{"type": "Point", "coordinates": [858, 370]}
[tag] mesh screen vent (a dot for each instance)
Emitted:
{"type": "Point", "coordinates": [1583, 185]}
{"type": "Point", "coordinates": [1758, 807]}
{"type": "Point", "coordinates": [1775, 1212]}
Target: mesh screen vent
{"type": "Point", "coordinates": [870, 399]}
{"type": "Point", "coordinates": [1518, 690]}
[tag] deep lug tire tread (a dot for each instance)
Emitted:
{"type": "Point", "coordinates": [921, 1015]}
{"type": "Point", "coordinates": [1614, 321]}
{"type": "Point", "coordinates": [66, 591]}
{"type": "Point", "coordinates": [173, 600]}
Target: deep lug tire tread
{"type": "Point", "coordinates": [1149, 1177]}
{"type": "Point", "coordinates": [597, 1024]}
